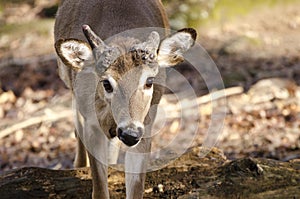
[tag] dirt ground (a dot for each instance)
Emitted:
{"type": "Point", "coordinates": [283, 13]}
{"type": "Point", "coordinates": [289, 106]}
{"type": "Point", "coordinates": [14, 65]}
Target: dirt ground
{"type": "Point", "coordinates": [36, 128]}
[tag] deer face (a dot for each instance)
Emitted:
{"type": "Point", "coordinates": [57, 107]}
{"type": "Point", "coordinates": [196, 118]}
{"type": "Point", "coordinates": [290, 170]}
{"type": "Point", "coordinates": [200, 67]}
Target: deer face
{"type": "Point", "coordinates": [127, 86]}
{"type": "Point", "coordinates": [127, 69]}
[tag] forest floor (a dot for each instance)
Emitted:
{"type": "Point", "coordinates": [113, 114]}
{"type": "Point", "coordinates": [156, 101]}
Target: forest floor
{"type": "Point", "coordinates": [259, 52]}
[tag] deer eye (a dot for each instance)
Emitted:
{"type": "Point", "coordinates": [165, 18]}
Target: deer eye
{"type": "Point", "coordinates": [107, 86]}
{"type": "Point", "coordinates": [149, 83]}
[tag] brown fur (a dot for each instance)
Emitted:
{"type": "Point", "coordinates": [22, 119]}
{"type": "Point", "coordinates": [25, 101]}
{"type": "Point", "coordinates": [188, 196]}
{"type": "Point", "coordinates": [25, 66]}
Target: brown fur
{"type": "Point", "coordinates": [107, 18]}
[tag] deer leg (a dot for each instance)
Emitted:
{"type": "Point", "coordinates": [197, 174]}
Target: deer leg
{"type": "Point", "coordinates": [81, 157]}
{"type": "Point", "coordinates": [136, 160]}
{"type": "Point", "coordinates": [99, 176]}
{"type": "Point", "coordinates": [97, 154]}
{"type": "Point", "coordinates": [98, 147]}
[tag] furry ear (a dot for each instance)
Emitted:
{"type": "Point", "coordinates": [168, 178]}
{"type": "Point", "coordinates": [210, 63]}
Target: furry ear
{"type": "Point", "coordinates": [74, 53]}
{"type": "Point", "coordinates": [172, 48]}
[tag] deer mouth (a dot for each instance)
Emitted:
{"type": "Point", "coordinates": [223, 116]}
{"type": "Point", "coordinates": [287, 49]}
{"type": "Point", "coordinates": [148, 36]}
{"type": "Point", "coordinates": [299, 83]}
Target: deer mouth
{"type": "Point", "coordinates": [112, 132]}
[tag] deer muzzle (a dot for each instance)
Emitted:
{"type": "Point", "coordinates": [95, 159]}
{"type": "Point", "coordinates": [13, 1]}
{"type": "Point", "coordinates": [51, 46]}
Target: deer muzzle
{"type": "Point", "coordinates": [130, 135]}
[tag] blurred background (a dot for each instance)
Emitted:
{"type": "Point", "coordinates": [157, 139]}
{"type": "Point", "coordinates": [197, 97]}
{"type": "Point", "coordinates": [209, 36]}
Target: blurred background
{"type": "Point", "coordinates": [254, 43]}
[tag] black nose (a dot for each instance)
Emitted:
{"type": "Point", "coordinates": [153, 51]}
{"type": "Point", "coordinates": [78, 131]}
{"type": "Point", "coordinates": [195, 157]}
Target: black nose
{"type": "Point", "coordinates": [129, 137]}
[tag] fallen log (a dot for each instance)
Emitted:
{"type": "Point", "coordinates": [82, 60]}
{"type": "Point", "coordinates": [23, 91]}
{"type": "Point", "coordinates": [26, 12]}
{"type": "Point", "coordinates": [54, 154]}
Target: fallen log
{"type": "Point", "coordinates": [187, 177]}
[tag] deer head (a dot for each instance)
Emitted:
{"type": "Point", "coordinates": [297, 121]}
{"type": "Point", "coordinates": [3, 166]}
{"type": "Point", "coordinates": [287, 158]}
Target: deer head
{"type": "Point", "coordinates": [127, 69]}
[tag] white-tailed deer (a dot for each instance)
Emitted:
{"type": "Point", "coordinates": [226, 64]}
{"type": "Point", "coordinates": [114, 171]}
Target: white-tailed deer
{"type": "Point", "coordinates": [80, 30]}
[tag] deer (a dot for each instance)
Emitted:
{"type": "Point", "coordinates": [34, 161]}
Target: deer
{"type": "Point", "coordinates": [127, 68]}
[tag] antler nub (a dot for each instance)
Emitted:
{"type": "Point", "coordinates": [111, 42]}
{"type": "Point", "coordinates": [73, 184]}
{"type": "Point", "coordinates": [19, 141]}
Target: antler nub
{"type": "Point", "coordinates": [92, 38]}
{"type": "Point", "coordinates": [146, 51]}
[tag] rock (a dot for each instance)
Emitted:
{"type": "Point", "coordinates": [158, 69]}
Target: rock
{"type": "Point", "coordinates": [273, 88]}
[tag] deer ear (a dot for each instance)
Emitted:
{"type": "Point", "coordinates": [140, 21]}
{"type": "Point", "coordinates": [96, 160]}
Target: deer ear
{"type": "Point", "coordinates": [74, 53]}
{"type": "Point", "coordinates": [172, 48]}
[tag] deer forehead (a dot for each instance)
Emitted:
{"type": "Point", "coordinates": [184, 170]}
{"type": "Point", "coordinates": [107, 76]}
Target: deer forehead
{"type": "Point", "coordinates": [133, 66]}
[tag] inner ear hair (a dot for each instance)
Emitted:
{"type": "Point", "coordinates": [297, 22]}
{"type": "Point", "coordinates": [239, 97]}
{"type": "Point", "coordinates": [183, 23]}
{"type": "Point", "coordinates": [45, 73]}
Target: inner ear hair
{"type": "Point", "coordinates": [73, 52]}
{"type": "Point", "coordinates": [191, 31]}
{"type": "Point", "coordinates": [173, 47]}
